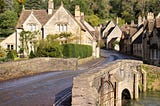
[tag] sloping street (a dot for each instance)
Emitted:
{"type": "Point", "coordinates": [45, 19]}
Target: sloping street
{"type": "Point", "coordinates": [47, 88]}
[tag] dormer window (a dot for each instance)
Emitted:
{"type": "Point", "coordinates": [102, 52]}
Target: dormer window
{"type": "Point", "coordinates": [62, 27]}
{"type": "Point", "coordinates": [32, 27]}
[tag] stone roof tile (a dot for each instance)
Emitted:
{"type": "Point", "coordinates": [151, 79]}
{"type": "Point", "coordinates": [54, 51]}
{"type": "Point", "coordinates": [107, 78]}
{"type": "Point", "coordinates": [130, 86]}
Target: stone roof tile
{"type": "Point", "coordinates": [41, 15]}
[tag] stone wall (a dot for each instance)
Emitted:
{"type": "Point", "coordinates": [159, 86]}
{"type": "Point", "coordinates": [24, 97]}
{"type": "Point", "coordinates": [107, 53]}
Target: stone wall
{"type": "Point", "coordinates": [16, 69]}
{"type": "Point", "coordinates": [85, 91]}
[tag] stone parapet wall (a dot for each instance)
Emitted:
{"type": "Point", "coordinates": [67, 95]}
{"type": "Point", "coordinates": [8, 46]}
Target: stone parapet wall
{"type": "Point", "coordinates": [86, 86]}
{"type": "Point", "coordinates": [9, 70]}
{"type": "Point", "coordinates": [85, 60]}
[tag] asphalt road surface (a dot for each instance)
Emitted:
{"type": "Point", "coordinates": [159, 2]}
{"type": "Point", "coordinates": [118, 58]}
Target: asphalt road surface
{"type": "Point", "coordinates": [45, 89]}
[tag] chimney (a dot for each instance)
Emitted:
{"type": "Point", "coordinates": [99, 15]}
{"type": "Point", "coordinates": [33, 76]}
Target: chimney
{"type": "Point", "coordinates": [140, 20]}
{"type": "Point", "coordinates": [150, 16]}
{"type": "Point", "coordinates": [82, 16]}
{"type": "Point", "coordinates": [50, 6]}
{"type": "Point", "coordinates": [77, 13]}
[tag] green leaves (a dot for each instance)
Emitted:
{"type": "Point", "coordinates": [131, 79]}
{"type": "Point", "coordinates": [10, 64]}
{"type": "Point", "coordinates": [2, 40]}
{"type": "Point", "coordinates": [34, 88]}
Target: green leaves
{"type": "Point", "coordinates": [93, 20]}
{"type": "Point", "coordinates": [2, 52]}
{"type": "Point", "coordinates": [26, 38]}
{"type": "Point", "coordinates": [76, 51]}
{"type": "Point", "coordinates": [49, 49]}
{"type": "Point", "coordinates": [8, 22]}
{"type": "Point", "coordinates": [2, 6]}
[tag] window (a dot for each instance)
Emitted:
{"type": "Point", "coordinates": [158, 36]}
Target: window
{"type": "Point", "coordinates": [62, 27]}
{"type": "Point", "coordinates": [10, 47]}
{"type": "Point", "coordinates": [154, 54]}
{"type": "Point", "coordinates": [32, 27]}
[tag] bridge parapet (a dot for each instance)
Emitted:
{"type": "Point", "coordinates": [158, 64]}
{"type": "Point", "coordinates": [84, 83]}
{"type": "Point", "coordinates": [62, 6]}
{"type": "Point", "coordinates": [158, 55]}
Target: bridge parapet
{"type": "Point", "coordinates": [104, 86]}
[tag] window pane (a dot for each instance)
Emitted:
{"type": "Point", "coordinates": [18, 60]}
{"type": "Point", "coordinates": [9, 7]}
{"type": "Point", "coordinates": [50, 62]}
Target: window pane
{"type": "Point", "coordinates": [8, 47]}
{"type": "Point", "coordinates": [11, 47]}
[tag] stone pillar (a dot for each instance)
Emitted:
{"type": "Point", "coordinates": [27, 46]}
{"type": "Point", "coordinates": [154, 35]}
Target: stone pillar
{"type": "Point", "coordinates": [118, 95]}
{"type": "Point", "coordinates": [136, 91]}
{"type": "Point", "coordinates": [97, 52]}
{"type": "Point", "coordinates": [144, 82]}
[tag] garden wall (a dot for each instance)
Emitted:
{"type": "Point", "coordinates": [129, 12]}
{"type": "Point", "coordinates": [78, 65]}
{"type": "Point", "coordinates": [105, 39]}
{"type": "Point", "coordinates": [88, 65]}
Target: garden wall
{"type": "Point", "coordinates": [15, 69]}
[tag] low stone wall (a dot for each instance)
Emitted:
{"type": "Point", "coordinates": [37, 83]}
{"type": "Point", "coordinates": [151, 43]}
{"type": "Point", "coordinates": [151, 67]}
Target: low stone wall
{"type": "Point", "coordinates": [15, 69]}
{"type": "Point", "coordinates": [85, 60]}
{"type": "Point", "coordinates": [153, 77]}
{"type": "Point", "coordinates": [85, 86]}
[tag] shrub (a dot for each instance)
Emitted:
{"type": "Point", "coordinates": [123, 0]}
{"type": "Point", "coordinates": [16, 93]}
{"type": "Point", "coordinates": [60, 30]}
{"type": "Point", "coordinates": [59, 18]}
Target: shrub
{"type": "Point", "coordinates": [31, 55]}
{"type": "Point", "coordinates": [2, 52]}
{"type": "Point", "coordinates": [12, 54]}
{"type": "Point", "coordinates": [77, 50]}
{"type": "Point", "coordinates": [49, 49]}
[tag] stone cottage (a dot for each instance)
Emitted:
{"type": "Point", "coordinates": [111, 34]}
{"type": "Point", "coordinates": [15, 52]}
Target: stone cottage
{"type": "Point", "coordinates": [131, 41]}
{"type": "Point", "coordinates": [52, 21]}
{"type": "Point", "coordinates": [111, 35]}
{"type": "Point", "coordinates": [151, 40]}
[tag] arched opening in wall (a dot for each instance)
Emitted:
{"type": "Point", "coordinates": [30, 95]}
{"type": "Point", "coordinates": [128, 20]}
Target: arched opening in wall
{"type": "Point", "coordinates": [126, 97]}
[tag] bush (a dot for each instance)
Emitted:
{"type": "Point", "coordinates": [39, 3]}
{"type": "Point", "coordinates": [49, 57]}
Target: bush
{"type": "Point", "coordinates": [31, 55]}
{"type": "Point", "coordinates": [76, 51]}
{"type": "Point", "coordinates": [12, 54]}
{"type": "Point", "coordinates": [49, 49]}
{"type": "Point", "coordinates": [2, 52]}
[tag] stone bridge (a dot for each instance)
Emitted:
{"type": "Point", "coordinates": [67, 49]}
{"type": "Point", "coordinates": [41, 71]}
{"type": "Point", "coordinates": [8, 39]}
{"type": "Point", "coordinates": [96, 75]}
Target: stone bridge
{"type": "Point", "coordinates": [110, 84]}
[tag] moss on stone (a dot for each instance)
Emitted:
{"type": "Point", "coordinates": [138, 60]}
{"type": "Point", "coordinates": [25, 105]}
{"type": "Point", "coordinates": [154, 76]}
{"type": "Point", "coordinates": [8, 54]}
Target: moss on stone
{"type": "Point", "coordinates": [153, 77]}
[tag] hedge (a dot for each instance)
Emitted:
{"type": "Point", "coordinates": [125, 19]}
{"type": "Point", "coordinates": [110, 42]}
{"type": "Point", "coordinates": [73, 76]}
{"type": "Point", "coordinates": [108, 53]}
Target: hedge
{"type": "Point", "coordinates": [76, 51]}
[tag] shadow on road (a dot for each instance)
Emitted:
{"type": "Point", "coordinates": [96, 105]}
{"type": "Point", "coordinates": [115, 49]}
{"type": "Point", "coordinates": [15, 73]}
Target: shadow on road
{"type": "Point", "coordinates": [63, 98]}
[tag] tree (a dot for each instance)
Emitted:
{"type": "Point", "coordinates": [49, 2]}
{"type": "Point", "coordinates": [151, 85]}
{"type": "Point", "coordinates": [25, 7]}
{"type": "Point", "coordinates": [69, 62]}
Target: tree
{"type": "Point", "coordinates": [93, 20]}
{"type": "Point", "coordinates": [26, 38]}
{"type": "Point", "coordinates": [36, 4]}
{"type": "Point", "coordinates": [101, 8]}
{"type": "Point", "coordinates": [21, 1]}
{"type": "Point", "coordinates": [2, 6]}
{"type": "Point", "coordinates": [8, 22]}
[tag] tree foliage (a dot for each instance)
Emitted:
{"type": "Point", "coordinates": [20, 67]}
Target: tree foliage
{"type": "Point", "coordinates": [104, 9]}
{"type": "Point", "coordinates": [2, 6]}
{"type": "Point", "coordinates": [27, 37]}
{"type": "Point", "coordinates": [93, 20]}
{"type": "Point", "coordinates": [8, 21]}
{"type": "Point", "coordinates": [36, 4]}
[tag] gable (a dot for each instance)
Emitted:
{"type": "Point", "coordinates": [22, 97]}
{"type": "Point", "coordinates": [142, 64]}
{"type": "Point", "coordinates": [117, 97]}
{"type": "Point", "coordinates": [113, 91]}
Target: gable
{"type": "Point", "coordinates": [41, 15]}
{"type": "Point", "coordinates": [61, 16]}
{"type": "Point", "coordinates": [108, 27]}
{"type": "Point", "coordinates": [31, 20]}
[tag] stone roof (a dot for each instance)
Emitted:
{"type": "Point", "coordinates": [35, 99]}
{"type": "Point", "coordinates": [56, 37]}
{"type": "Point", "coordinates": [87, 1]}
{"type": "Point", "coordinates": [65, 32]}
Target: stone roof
{"type": "Point", "coordinates": [41, 15]}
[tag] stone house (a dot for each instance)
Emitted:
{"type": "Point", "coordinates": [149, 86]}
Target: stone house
{"type": "Point", "coordinates": [131, 41]}
{"type": "Point", "coordinates": [111, 35]}
{"type": "Point", "coordinates": [143, 40]}
{"type": "Point", "coordinates": [53, 21]}
{"type": "Point", "coordinates": [124, 42]}
{"type": "Point", "coordinates": [151, 40]}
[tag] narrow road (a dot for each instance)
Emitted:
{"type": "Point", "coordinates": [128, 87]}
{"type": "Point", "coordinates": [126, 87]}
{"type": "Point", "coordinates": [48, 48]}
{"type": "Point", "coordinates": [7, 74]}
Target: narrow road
{"type": "Point", "coordinates": [47, 88]}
